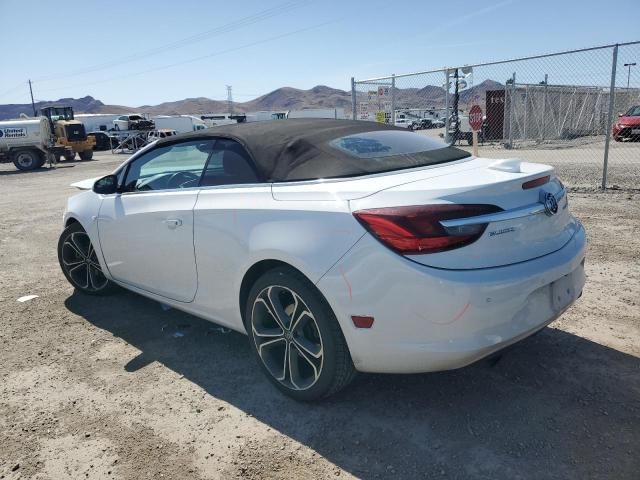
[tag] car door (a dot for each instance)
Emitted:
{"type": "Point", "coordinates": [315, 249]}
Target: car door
{"type": "Point", "coordinates": [231, 197]}
{"type": "Point", "coordinates": [146, 231]}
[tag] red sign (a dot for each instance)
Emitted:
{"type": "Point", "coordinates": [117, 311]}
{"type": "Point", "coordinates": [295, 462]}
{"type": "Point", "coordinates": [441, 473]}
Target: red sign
{"type": "Point", "coordinates": [475, 118]}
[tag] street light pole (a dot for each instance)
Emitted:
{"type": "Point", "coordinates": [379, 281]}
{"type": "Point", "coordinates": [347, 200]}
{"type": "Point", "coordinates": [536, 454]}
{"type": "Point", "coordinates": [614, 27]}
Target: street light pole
{"type": "Point", "coordinates": [629, 65]}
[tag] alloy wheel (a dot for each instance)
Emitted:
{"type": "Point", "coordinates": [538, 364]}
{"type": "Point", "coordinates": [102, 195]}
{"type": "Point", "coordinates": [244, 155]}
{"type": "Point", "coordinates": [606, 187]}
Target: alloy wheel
{"type": "Point", "coordinates": [287, 337]}
{"type": "Point", "coordinates": [81, 263]}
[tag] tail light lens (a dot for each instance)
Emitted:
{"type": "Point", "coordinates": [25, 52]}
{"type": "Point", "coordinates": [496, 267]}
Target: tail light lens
{"type": "Point", "coordinates": [415, 230]}
{"type": "Point", "coordinates": [536, 182]}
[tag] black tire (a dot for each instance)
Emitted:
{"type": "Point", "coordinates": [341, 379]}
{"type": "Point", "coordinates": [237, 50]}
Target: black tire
{"type": "Point", "coordinates": [86, 155]}
{"type": "Point", "coordinates": [70, 156]}
{"type": "Point", "coordinates": [74, 248]}
{"type": "Point", "coordinates": [26, 159]}
{"type": "Point", "coordinates": [333, 369]}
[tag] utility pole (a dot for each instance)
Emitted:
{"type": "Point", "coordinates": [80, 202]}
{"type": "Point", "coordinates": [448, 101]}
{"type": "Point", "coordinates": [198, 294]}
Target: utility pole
{"type": "Point", "coordinates": [229, 100]}
{"type": "Point", "coordinates": [33, 105]}
{"type": "Point", "coordinates": [629, 65]}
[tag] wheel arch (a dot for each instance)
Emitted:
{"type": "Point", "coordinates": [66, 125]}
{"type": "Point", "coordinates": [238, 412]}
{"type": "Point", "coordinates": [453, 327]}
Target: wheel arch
{"type": "Point", "coordinates": [70, 221]}
{"type": "Point", "coordinates": [253, 273]}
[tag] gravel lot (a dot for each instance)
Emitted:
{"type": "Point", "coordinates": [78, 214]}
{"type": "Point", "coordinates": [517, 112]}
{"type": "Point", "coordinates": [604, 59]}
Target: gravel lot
{"type": "Point", "coordinates": [578, 161]}
{"type": "Point", "coordinates": [119, 388]}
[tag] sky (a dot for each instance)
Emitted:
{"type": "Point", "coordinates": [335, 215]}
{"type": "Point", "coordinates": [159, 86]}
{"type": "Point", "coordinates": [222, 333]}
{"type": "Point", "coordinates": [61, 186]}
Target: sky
{"type": "Point", "coordinates": [148, 52]}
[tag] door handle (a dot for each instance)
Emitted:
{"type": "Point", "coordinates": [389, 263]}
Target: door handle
{"type": "Point", "coordinates": [172, 223]}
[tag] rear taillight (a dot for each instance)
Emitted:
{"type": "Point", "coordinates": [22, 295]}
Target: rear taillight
{"type": "Point", "coordinates": [417, 229]}
{"type": "Point", "coordinates": [535, 183]}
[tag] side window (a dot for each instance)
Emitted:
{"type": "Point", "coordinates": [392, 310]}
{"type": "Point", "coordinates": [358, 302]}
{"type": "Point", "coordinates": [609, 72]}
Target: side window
{"type": "Point", "coordinates": [229, 164]}
{"type": "Point", "coordinates": [178, 165]}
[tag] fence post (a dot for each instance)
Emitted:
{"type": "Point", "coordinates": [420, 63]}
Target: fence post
{"type": "Point", "coordinates": [446, 105]}
{"type": "Point", "coordinates": [544, 106]}
{"type": "Point", "coordinates": [612, 99]}
{"type": "Point", "coordinates": [353, 99]}
{"type": "Point", "coordinates": [512, 89]}
{"type": "Point", "coordinates": [393, 99]}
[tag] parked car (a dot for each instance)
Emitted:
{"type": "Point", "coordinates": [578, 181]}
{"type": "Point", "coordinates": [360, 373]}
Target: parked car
{"type": "Point", "coordinates": [403, 123]}
{"type": "Point", "coordinates": [133, 121]}
{"type": "Point", "coordinates": [628, 125]}
{"type": "Point", "coordinates": [337, 246]}
{"type": "Point", "coordinates": [438, 123]}
{"type": "Point", "coordinates": [420, 124]}
{"type": "Point", "coordinates": [160, 133]}
{"type": "Point", "coordinates": [104, 141]}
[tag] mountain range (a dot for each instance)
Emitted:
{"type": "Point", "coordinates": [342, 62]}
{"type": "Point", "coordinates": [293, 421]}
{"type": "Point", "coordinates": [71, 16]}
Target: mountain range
{"type": "Point", "coordinates": [285, 98]}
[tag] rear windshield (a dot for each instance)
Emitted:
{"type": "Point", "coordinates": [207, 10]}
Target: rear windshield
{"type": "Point", "coordinates": [386, 150]}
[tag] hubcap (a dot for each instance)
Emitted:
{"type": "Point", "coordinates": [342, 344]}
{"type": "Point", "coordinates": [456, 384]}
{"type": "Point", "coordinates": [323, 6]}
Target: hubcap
{"type": "Point", "coordinates": [287, 337]}
{"type": "Point", "coordinates": [24, 160]}
{"type": "Point", "coordinates": [81, 263]}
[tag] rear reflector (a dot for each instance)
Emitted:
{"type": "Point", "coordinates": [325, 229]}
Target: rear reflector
{"type": "Point", "coordinates": [361, 321]}
{"type": "Point", "coordinates": [535, 183]}
{"type": "Point", "coordinates": [417, 229]}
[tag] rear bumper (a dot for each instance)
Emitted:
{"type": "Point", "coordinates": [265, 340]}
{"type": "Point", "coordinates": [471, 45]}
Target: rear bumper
{"type": "Point", "coordinates": [429, 319]}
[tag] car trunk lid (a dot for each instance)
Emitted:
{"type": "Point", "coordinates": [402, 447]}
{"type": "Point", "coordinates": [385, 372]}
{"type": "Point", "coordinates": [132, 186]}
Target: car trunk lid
{"type": "Point", "coordinates": [522, 231]}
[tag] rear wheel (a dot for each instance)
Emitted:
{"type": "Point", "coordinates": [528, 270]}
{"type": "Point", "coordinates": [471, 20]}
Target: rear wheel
{"type": "Point", "coordinates": [86, 155]}
{"type": "Point", "coordinates": [296, 337]}
{"type": "Point", "coordinates": [27, 159]}
{"type": "Point", "coordinates": [80, 264]}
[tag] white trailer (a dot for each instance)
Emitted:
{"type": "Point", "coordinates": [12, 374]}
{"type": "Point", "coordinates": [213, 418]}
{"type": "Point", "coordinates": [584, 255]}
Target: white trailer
{"type": "Point", "coordinates": [28, 143]}
{"type": "Point", "coordinates": [337, 113]}
{"type": "Point", "coordinates": [94, 122]}
{"type": "Point", "coordinates": [179, 123]}
{"type": "Point", "coordinates": [216, 119]}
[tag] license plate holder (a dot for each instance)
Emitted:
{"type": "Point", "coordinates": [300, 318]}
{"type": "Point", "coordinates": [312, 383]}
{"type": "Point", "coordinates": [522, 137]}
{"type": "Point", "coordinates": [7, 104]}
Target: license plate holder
{"type": "Point", "coordinates": [635, 131]}
{"type": "Point", "coordinates": [563, 292]}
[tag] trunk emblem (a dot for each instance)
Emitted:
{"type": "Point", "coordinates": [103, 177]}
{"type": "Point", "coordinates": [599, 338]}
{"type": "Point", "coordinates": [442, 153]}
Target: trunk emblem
{"type": "Point", "coordinates": [550, 203]}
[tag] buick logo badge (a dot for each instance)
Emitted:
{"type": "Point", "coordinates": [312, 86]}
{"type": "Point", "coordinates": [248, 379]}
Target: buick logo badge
{"type": "Point", "coordinates": [550, 204]}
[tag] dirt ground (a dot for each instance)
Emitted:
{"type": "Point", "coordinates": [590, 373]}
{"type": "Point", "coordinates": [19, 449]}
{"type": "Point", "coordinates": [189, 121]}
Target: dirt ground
{"type": "Point", "coordinates": [119, 388]}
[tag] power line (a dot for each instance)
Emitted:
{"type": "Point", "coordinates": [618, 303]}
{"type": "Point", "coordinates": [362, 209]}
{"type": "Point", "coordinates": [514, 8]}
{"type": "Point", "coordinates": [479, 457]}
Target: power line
{"type": "Point", "coordinates": [191, 60]}
{"type": "Point", "coordinates": [226, 28]}
{"type": "Point", "coordinates": [11, 90]}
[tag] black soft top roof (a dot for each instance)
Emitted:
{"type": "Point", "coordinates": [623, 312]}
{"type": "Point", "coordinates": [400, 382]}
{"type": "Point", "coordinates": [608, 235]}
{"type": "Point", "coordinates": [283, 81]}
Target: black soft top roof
{"type": "Point", "coordinates": [296, 149]}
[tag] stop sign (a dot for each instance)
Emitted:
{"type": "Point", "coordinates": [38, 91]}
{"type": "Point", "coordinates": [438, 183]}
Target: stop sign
{"type": "Point", "coordinates": [475, 118]}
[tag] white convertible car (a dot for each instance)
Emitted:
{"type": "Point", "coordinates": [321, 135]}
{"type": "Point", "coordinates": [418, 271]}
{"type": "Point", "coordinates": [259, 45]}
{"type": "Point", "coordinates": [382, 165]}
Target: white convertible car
{"type": "Point", "coordinates": [337, 246]}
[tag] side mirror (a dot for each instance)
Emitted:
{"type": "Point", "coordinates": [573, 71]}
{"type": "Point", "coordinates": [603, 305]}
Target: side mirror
{"type": "Point", "coordinates": [106, 185]}
{"type": "Point", "coordinates": [620, 114]}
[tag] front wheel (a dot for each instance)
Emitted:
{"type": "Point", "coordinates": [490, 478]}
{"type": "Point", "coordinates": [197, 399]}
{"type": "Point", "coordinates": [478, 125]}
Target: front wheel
{"type": "Point", "coordinates": [79, 262]}
{"type": "Point", "coordinates": [70, 156]}
{"type": "Point", "coordinates": [296, 337]}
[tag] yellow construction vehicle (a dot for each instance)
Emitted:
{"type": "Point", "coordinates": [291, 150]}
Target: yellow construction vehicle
{"type": "Point", "coordinates": [69, 132]}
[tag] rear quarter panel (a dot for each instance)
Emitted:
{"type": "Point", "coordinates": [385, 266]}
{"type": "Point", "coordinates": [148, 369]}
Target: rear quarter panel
{"type": "Point", "coordinates": [235, 228]}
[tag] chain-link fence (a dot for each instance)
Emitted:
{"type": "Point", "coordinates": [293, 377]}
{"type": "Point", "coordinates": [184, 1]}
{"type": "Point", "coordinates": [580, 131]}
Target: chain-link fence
{"type": "Point", "coordinates": [578, 111]}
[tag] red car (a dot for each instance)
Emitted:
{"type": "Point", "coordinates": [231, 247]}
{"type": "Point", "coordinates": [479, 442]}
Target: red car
{"type": "Point", "coordinates": [628, 125]}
